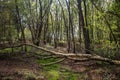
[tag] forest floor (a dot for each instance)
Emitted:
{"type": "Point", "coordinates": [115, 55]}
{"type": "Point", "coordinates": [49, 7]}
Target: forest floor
{"type": "Point", "coordinates": [32, 66]}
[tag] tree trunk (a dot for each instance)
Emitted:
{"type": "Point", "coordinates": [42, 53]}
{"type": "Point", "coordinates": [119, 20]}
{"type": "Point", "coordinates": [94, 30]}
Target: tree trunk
{"type": "Point", "coordinates": [84, 29]}
{"type": "Point", "coordinates": [20, 24]}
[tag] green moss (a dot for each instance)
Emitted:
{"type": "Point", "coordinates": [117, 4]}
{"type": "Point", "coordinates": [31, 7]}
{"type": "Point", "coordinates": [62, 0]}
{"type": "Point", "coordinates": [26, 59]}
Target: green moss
{"type": "Point", "coordinates": [53, 72]}
{"type": "Point", "coordinates": [53, 75]}
{"type": "Point", "coordinates": [70, 76]}
{"type": "Point", "coordinates": [50, 67]}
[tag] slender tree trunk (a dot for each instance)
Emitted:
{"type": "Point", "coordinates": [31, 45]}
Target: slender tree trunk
{"type": "Point", "coordinates": [84, 30]}
{"type": "Point", "coordinates": [20, 24]}
{"type": "Point", "coordinates": [46, 30]}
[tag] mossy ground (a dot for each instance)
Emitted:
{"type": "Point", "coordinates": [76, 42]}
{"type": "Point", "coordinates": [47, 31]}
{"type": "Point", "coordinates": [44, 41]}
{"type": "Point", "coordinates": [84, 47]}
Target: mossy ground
{"type": "Point", "coordinates": [55, 72]}
{"type": "Point", "coordinates": [66, 70]}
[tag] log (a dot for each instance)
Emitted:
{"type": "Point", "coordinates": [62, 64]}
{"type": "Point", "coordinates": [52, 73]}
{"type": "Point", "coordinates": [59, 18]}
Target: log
{"type": "Point", "coordinates": [54, 62]}
{"type": "Point", "coordinates": [70, 55]}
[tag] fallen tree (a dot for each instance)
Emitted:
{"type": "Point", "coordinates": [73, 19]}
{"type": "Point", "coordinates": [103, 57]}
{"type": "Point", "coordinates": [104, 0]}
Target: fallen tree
{"type": "Point", "coordinates": [78, 57]}
{"type": "Point", "coordinates": [54, 62]}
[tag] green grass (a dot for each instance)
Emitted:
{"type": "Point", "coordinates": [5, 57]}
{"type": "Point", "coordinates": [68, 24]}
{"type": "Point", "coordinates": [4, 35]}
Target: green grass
{"type": "Point", "coordinates": [44, 61]}
{"type": "Point", "coordinates": [18, 49]}
{"type": "Point", "coordinates": [53, 72]}
{"type": "Point", "coordinates": [70, 76]}
{"type": "Point", "coordinates": [53, 75]}
{"type": "Point", "coordinates": [50, 67]}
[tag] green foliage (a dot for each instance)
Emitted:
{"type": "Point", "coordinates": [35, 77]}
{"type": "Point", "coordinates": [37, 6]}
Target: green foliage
{"type": "Point", "coordinates": [18, 49]}
{"type": "Point", "coordinates": [28, 34]}
{"type": "Point", "coordinates": [115, 7]}
{"type": "Point", "coordinates": [107, 49]}
{"type": "Point", "coordinates": [7, 50]}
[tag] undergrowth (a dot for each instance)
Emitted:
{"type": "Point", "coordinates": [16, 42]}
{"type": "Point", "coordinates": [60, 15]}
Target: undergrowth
{"type": "Point", "coordinates": [53, 72]}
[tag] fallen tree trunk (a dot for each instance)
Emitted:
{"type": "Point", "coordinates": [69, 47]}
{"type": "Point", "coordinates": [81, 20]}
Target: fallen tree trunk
{"type": "Point", "coordinates": [72, 55]}
{"type": "Point", "coordinates": [54, 62]}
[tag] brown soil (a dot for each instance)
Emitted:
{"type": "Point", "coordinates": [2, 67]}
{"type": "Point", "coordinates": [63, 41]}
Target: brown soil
{"type": "Point", "coordinates": [94, 70]}
{"type": "Point", "coordinates": [16, 67]}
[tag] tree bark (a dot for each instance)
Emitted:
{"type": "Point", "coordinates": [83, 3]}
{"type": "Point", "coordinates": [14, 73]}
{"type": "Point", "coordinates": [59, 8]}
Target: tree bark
{"type": "Point", "coordinates": [84, 29]}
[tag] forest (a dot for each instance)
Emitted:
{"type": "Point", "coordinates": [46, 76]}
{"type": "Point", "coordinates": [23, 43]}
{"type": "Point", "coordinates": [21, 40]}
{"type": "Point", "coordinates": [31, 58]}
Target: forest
{"type": "Point", "coordinates": [59, 39]}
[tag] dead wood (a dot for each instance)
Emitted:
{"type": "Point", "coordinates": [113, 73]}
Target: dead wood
{"type": "Point", "coordinates": [72, 55]}
{"type": "Point", "coordinates": [58, 61]}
